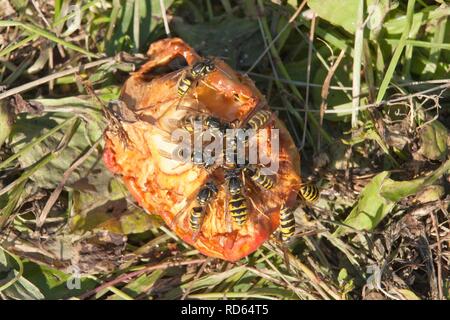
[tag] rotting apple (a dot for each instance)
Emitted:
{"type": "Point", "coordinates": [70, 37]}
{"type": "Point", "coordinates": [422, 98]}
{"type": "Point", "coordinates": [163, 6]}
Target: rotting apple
{"type": "Point", "coordinates": [164, 186]}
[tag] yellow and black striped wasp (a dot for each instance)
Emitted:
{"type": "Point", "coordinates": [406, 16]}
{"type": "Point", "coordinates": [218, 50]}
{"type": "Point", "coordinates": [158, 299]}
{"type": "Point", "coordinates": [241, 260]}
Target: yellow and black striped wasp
{"type": "Point", "coordinates": [190, 76]}
{"type": "Point", "coordinates": [199, 202]}
{"type": "Point", "coordinates": [308, 194]}
{"type": "Point", "coordinates": [203, 198]}
{"type": "Point", "coordinates": [258, 120]}
{"type": "Point", "coordinates": [194, 74]}
{"type": "Point", "coordinates": [183, 135]}
{"type": "Point", "coordinates": [237, 205]}
{"type": "Point", "coordinates": [203, 122]}
{"type": "Point", "coordinates": [238, 145]}
{"type": "Point", "coordinates": [254, 172]}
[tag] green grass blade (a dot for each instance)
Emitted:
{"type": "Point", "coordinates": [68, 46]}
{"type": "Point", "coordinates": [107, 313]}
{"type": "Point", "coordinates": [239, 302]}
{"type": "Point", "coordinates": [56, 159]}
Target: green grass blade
{"type": "Point", "coordinates": [43, 33]}
{"type": "Point", "coordinates": [136, 25]}
{"type": "Point", "coordinates": [357, 62]}
{"type": "Point", "coordinates": [13, 200]}
{"type": "Point", "coordinates": [422, 44]}
{"type": "Point", "coordinates": [19, 44]}
{"type": "Point", "coordinates": [18, 275]}
{"type": "Point", "coordinates": [397, 53]}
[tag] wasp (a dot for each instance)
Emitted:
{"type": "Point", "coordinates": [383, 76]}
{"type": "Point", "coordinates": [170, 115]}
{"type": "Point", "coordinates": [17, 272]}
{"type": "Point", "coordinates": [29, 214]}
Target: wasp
{"type": "Point", "coordinates": [238, 209]}
{"type": "Point", "coordinates": [189, 152]}
{"type": "Point", "coordinates": [185, 155]}
{"type": "Point", "coordinates": [204, 122]}
{"type": "Point", "coordinates": [198, 159]}
{"type": "Point", "coordinates": [188, 78]}
{"type": "Point", "coordinates": [197, 72]}
{"type": "Point", "coordinates": [264, 181]}
{"type": "Point", "coordinates": [309, 192]}
{"type": "Point", "coordinates": [113, 115]}
{"type": "Point", "coordinates": [287, 223]}
{"type": "Point", "coordinates": [258, 120]}
{"type": "Point", "coordinates": [237, 205]}
{"type": "Point", "coordinates": [204, 196]}
{"type": "Point", "coordinates": [196, 124]}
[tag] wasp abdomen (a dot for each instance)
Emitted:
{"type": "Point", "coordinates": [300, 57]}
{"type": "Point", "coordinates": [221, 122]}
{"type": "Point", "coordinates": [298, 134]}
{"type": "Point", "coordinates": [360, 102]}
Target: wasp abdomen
{"type": "Point", "coordinates": [238, 209]}
{"type": "Point", "coordinates": [287, 223]}
{"type": "Point", "coordinates": [196, 217]}
{"type": "Point", "coordinates": [184, 86]}
{"type": "Point", "coordinates": [309, 192]}
{"type": "Point", "coordinates": [259, 119]}
{"type": "Point", "coordinates": [196, 72]}
{"type": "Point", "coordinates": [204, 196]}
{"type": "Point", "coordinates": [263, 181]}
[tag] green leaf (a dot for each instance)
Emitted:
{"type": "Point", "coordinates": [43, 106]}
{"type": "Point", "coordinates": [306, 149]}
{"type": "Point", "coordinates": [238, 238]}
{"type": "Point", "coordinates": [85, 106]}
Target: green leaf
{"type": "Point", "coordinates": [397, 52]}
{"type": "Point", "coordinates": [408, 294]}
{"type": "Point", "coordinates": [256, 293]}
{"type": "Point", "coordinates": [343, 12]}
{"type": "Point", "coordinates": [53, 283]}
{"type": "Point", "coordinates": [381, 194]}
{"type": "Point", "coordinates": [397, 190]}
{"type": "Point", "coordinates": [23, 289]}
{"type": "Point", "coordinates": [431, 193]}
{"type": "Point", "coordinates": [3, 260]}
{"type": "Point", "coordinates": [333, 12]}
{"type": "Point", "coordinates": [127, 16]}
{"type": "Point", "coordinates": [13, 284]}
{"type": "Point", "coordinates": [18, 44]}
{"type": "Point", "coordinates": [208, 281]}
{"type": "Point", "coordinates": [343, 274]}
{"type": "Point", "coordinates": [34, 142]}
{"type": "Point", "coordinates": [115, 217]}
{"type": "Point", "coordinates": [137, 221]}
{"type": "Point", "coordinates": [396, 24]}
{"type": "Point", "coordinates": [433, 141]}
{"type": "Point", "coordinates": [371, 207]}
{"type": "Point", "coordinates": [8, 262]}
{"type": "Point", "coordinates": [9, 201]}
{"type": "Point", "coordinates": [28, 128]}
